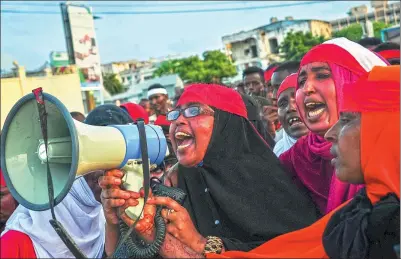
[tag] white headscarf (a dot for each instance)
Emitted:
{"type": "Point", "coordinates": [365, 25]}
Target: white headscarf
{"type": "Point", "coordinates": [79, 213]}
{"type": "Point", "coordinates": [285, 143]}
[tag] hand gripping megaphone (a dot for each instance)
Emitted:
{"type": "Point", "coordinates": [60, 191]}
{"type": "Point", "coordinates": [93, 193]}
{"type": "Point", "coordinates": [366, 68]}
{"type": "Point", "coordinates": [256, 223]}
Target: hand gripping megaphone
{"type": "Point", "coordinates": [73, 149]}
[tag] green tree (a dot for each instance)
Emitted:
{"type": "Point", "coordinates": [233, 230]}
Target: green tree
{"type": "Point", "coordinates": [296, 44]}
{"type": "Point", "coordinates": [378, 27]}
{"type": "Point", "coordinates": [167, 68]}
{"type": "Point", "coordinates": [112, 85]}
{"type": "Point", "coordinates": [217, 66]}
{"type": "Point", "coordinates": [354, 32]}
{"type": "Point", "coordinates": [212, 68]}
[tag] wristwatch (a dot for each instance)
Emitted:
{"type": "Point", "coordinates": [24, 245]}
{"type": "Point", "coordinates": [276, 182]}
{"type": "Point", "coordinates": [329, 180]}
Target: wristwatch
{"type": "Point", "coordinates": [213, 245]}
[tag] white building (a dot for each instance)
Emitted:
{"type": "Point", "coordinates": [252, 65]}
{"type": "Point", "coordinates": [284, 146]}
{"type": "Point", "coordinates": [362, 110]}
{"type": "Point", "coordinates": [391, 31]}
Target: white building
{"type": "Point", "coordinates": [260, 46]}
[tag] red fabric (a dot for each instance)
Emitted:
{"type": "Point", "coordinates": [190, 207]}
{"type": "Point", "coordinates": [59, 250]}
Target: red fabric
{"type": "Point", "coordinates": [309, 160]}
{"type": "Point", "coordinates": [15, 244]}
{"type": "Point", "coordinates": [333, 54]}
{"type": "Point", "coordinates": [2, 180]}
{"type": "Point", "coordinates": [389, 54]}
{"type": "Point", "coordinates": [161, 120]}
{"type": "Point", "coordinates": [364, 97]}
{"type": "Point", "coordinates": [220, 97]}
{"type": "Point", "coordinates": [136, 111]}
{"type": "Point", "coordinates": [289, 82]}
{"type": "Point", "coordinates": [269, 73]}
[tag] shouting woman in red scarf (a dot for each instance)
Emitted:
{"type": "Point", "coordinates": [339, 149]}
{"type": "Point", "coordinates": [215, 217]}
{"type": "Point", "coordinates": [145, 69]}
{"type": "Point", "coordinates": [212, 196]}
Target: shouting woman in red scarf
{"type": "Point", "coordinates": [366, 148]}
{"type": "Point", "coordinates": [237, 193]}
{"type": "Point", "coordinates": [323, 72]}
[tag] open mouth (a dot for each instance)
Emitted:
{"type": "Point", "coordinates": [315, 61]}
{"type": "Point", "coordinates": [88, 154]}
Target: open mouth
{"type": "Point", "coordinates": [183, 140]}
{"type": "Point", "coordinates": [314, 109]}
{"type": "Point", "coordinates": [293, 121]}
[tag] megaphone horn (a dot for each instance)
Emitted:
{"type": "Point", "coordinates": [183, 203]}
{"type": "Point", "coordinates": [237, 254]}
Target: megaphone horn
{"type": "Point", "coordinates": [74, 149]}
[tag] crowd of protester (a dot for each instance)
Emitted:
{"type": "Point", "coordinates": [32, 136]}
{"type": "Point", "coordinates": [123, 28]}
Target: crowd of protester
{"type": "Point", "coordinates": [300, 160]}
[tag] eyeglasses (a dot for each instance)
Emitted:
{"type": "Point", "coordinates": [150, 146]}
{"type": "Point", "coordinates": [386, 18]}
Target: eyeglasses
{"type": "Point", "coordinates": [189, 112]}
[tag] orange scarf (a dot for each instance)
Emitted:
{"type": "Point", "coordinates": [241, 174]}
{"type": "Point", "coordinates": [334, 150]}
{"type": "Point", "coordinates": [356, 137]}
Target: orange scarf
{"type": "Point", "coordinates": [380, 160]}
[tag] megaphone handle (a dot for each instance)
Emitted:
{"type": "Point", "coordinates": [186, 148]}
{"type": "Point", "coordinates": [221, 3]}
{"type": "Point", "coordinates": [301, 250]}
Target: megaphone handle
{"type": "Point", "coordinates": [146, 178]}
{"type": "Point", "coordinates": [71, 245]}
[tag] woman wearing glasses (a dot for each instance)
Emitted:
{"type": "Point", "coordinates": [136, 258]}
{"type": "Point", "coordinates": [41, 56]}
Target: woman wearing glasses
{"type": "Point", "coordinates": [238, 196]}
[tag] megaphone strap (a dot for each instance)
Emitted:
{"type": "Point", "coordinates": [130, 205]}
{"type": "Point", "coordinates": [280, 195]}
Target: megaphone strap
{"type": "Point", "coordinates": [62, 233]}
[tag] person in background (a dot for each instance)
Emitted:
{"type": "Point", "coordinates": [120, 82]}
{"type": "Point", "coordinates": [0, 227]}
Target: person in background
{"type": "Point", "coordinates": [78, 116]}
{"type": "Point", "coordinates": [237, 192]}
{"type": "Point", "coordinates": [254, 81]}
{"type": "Point", "coordinates": [158, 97]}
{"type": "Point", "coordinates": [390, 51]}
{"type": "Point", "coordinates": [151, 113]}
{"type": "Point", "coordinates": [240, 87]}
{"type": "Point", "coordinates": [366, 149]}
{"type": "Point", "coordinates": [325, 69]}
{"type": "Point", "coordinates": [178, 93]}
{"type": "Point", "coordinates": [293, 126]}
{"type": "Point", "coordinates": [7, 203]}
{"type": "Point", "coordinates": [370, 43]}
{"type": "Point", "coordinates": [135, 111]}
{"type": "Point", "coordinates": [268, 76]}
{"type": "Point", "coordinates": [270, 112]}
{"type": "Point", "coordinates": [253, 107]}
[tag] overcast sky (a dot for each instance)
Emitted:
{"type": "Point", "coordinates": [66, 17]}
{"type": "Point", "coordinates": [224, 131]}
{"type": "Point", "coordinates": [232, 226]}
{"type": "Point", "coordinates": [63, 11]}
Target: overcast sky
{"type": "Point", "coordinates": [29, 38]}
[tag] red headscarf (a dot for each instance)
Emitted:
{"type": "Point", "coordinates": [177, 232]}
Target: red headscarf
{"type": "Point", "coordinates": [380, 161]}
{"type": "Point", "coordinates": [161, 120]}
{"type": "Point", "coordinates": [310, 159]}
{"type": "Point", "coordinates": [289, 82]}
{"type": "Point", "coordinates": [220, 97]}
{"type": "Point", "coordinates": [390, 53]}
{"type": "Point", "coordinates": [136, 111]}
{"type": "Point", "coordinates": [269, 73]}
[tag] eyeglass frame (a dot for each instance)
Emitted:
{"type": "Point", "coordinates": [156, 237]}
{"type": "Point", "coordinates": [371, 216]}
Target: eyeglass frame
{"type": "Point", "coordinates": [202, 111]}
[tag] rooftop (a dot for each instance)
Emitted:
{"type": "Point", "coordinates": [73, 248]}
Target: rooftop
{"type": "Point", "coordinates": [273, 26]}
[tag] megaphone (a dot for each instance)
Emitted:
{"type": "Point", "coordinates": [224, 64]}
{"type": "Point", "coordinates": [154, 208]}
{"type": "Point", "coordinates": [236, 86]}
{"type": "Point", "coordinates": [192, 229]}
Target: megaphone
{"type": "Point", "coordinates": [74, 149]}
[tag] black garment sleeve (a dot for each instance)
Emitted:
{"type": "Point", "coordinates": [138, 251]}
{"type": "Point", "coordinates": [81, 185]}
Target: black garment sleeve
{"type": "Point", "coordinates": [232, 244]}
{"type": "Point", "coordinates": [360, 230]}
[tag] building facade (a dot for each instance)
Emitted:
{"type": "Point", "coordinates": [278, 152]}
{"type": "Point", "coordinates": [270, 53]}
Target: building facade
{"type": "Point", "coordinates": [66, 88]}
{"type": "Point", "coordinates": [382, 11]}
{"type": "Point", "coordinates": [261, 46]}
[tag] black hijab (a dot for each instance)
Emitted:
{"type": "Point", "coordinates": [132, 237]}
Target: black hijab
{"type": "Point", "coordinates": [241, 193]}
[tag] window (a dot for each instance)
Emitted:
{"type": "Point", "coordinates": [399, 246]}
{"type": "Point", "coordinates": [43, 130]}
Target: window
{"type": "Point", "coordinates": [246, 52]}
{"type": "Point", "coordinates": [254, 51]}
{"type": "Point", "coordinates": [274, 49]}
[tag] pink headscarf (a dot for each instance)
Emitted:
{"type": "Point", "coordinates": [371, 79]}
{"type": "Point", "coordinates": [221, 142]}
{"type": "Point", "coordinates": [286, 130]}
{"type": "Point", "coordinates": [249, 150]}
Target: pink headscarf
{"type": "Point", "coordinates": [310, 159]}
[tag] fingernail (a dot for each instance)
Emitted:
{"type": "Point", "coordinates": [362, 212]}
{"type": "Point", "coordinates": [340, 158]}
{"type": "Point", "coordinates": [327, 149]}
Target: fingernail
{"type": "Point", "coordinates": [117, 181]}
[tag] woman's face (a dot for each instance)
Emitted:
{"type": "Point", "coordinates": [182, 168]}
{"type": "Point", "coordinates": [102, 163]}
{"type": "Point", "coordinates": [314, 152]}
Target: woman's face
{"type": "Point", "coordinates": [316, 97]}
{"type": "Point", "coordinates": [346, 149]}
{"type": "Point", "coordinates": [190, 137]}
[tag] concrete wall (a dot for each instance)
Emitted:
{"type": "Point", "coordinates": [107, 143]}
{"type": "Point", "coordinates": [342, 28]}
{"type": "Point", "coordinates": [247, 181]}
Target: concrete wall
{"type": "Point", "coordinates": [66, 88]}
